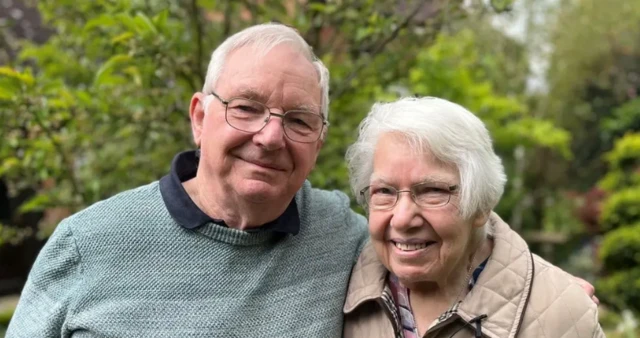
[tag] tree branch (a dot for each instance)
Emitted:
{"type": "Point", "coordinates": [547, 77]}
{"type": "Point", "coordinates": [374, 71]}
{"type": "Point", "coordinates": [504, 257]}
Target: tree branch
{"type": "Point", "coordinates": [379, 48]}
{"type": "Point", "coordinates": [75, 185]}
{"type": "Point", "coordinates": [312, 36]}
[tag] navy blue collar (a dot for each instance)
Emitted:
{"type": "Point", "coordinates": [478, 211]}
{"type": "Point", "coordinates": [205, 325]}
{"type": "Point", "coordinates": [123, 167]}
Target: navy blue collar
{"type": "Point", "coordinates": [184, 211]}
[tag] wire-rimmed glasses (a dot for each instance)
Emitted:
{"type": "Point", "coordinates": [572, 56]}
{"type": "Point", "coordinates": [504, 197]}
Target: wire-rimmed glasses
{"type": "Point", "coordinates": [251, 116]}
{"type": "Point", "coordinates": [426, 195]}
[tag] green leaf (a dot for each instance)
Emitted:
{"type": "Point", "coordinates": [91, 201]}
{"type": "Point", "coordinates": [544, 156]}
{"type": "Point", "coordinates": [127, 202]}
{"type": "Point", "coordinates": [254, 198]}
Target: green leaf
{"type": "Point", "coordinates": [100, 21]}
{"type": "Point", "coordinates": [7, 93]}
{"type": "Point", "coordinates": [122, 37]}
{"type": "Point", "coordinates": [144, 24]}
{"type": "Point", "coordinates": [36, 203]}
{"type": "Point", "coordinates": [25, 78]}
{"type": "Point", "coordinates": [128, 21]}
{"type": "Point", "coordinates": [9, 164]}
{"type": "Point", "coordinates": [160, 20]}
{"type": "Point", "coordinates": [108, 67]}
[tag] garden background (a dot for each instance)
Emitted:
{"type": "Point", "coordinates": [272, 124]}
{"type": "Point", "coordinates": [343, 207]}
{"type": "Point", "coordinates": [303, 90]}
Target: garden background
{"type": "Point", "coordinates": [94, 100]}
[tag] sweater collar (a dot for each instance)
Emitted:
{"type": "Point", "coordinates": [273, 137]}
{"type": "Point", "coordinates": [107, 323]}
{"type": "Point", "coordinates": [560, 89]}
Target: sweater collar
{"type": "Point", "coordinates": [186, 213]}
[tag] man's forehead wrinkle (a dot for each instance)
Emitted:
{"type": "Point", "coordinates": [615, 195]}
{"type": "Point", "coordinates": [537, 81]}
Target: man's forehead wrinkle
{"type": "Point", "coordinates": [252, 93]}
{"type": "Point", "coordinates": [264, 79]}
{"type": "Point", "coordinates": [284, 97]}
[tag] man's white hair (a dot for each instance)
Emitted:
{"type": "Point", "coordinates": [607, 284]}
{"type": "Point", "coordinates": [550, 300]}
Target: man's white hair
{"type": "Point", "coordinates": [452, 134]}
{"type": "Point", "coordinates": [263, 38]}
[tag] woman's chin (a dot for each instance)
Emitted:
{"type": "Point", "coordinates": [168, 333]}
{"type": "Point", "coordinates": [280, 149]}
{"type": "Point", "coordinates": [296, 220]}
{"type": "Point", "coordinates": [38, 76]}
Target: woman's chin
{"type": "Point", "coordinates": [412, 275]}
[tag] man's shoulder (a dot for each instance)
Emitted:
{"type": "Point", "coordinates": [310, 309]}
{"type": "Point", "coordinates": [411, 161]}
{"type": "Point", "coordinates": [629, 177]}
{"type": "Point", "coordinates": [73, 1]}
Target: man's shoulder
{"type": "Point", "coordinates": [130, 204]}
{"type": "Point", "coordinates": [337, 197]}
{"type": "Point", "coordinates": [332, 206]}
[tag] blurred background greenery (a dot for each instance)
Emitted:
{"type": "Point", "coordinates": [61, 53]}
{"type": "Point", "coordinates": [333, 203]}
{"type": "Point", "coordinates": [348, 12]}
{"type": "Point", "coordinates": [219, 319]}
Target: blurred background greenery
{"type": "Point", "coordinates": [94, 98]}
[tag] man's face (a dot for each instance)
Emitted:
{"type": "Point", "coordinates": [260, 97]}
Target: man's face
{"type": "Point", "coordinates": [262, 167]}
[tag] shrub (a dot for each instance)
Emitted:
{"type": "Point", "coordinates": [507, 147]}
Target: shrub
{"type": "Point", "coordinates": [620, 249]}
{"type": "Point", "coordinates": [621, 208]}
{"type": "Point", "coordinates": [621, 289]}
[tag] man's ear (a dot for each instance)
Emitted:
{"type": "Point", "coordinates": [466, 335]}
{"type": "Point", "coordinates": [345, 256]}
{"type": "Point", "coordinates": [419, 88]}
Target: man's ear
{"type": "Point", "coordinates": [197, 114]}
{"type": "Point", "coordinates": [319, 145]}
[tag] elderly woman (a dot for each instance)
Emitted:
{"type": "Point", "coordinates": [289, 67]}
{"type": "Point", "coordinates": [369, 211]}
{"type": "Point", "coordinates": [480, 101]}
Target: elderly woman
{"type": "Point", "coordinates": [440, 263]}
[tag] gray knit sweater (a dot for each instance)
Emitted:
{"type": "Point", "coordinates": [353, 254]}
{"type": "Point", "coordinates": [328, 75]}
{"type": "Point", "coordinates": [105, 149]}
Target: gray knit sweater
{"type": "Point", "coordinates": [124, 268]}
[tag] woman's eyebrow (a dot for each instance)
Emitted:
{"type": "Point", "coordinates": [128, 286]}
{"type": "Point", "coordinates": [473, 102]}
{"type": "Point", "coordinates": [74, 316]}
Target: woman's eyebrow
{"type": "Point", "coordinates": [437, 179]}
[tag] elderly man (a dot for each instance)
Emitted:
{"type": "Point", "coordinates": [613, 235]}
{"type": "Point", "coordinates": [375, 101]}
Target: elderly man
{"type": "Point", "coordinates": [233, 241]}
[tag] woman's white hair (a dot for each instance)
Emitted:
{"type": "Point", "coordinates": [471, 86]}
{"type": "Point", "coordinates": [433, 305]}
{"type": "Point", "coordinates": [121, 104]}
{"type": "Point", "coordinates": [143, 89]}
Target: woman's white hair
{"type": "Point", "coordinates": [263, 38]}
{"type": "Point", "coordinates": [450, 132]}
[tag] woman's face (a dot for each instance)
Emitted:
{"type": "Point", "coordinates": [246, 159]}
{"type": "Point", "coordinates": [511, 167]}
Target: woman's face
{"type": "Point", "coordinates": [416, 244]}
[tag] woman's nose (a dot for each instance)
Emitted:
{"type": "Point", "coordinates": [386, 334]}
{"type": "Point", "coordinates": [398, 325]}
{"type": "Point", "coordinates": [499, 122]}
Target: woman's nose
{"type": "Point", "coordinates": [406, 213]}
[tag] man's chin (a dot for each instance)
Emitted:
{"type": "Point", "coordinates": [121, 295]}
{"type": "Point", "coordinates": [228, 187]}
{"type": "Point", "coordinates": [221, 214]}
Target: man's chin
{"type": "Point", "coordinates": [258, 191]}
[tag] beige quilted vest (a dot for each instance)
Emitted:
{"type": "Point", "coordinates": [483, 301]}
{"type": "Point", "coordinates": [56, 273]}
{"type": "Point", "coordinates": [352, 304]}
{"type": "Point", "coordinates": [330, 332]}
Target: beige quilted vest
{"type": "Point", "coordinates": [521, 295]}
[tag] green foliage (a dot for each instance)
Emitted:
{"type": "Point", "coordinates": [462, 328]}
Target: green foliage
{"type": "Point", "coordinates": [618, 179]}
{"type": "Point", "coordinates": [560, 216]}
{"type": "Point", "coordinates": [618, 324]}
{"type": "Point", "coordinates": [102, 105]}
{"type": "Point", "coordinates": [5, 317]}
{"type": "Point", "coordinates": [620, 249]}
{"type": "Point", "coordinates": [625, 155]}
{"type": "Point", "coordinates": [591, 52]}
{"type": "Point", "coordinates": [13, 235]}
{"type": "Point", "coordinates": [502, 5]}
{"type": "Point", "coordinates": [621, 289]}
{"type": "Point", "coordinates": [591, 77]}
{"type": "Point", "coordinates": [624, 163]}
{"type": "Point", "coordinates": [454, 68]}
{"type": "Point", "coordinates": [624, 118]}
{"type": "Point", "coordinates": [593, 83]}
{"type": "Point", "coordinates": [621, 208]}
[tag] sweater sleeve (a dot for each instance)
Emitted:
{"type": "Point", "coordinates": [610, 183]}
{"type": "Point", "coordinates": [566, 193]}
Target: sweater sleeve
{"type": "Point", "coordinates": [44, 303]}
{"type": "Point", "coordinates": [360, 223]}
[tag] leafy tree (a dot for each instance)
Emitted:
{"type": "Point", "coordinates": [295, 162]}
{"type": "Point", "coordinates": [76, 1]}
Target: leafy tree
{"type": "Point", "coordinates": [593, 71]}
{"type": "Point", "coordinates": [101, 106]}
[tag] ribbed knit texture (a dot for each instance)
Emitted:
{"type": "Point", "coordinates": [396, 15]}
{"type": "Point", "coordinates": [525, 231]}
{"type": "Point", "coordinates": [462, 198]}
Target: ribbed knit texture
{"type": "Point", "coordinates": [124, 268]}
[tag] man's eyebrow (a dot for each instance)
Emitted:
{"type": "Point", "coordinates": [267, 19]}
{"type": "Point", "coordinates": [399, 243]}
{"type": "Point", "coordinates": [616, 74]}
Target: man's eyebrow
{"type": "Point", "coordinates": [314, 108]}
{"type": "Point", "coordinates": [256, 95]}
{"type": "Point", "coordinates": [252, 94]}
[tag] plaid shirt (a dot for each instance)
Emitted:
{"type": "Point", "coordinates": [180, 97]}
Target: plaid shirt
{"type": "Point", "coordinates": [400, 296]}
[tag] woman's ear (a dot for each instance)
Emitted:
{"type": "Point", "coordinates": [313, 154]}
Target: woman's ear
{"type": "Point", "coordinates": [480, 219]}
{"type": "Point", "coordinates": [197, 114]}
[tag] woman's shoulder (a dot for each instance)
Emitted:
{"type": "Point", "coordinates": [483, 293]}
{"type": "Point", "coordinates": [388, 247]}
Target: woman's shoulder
{"type": "Point", "coordinates": [558, 284]}
{"type": "Point", "coordinates": [558, 305]}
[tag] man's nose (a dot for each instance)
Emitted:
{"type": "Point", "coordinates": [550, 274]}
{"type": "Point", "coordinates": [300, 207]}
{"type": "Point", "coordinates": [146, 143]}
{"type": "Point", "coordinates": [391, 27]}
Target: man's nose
{"type": "Point", "coordinates": [271, 137]}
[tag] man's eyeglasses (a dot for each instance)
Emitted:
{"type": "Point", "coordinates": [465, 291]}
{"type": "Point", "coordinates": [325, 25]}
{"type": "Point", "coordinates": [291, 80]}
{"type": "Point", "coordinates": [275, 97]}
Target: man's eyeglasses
{"type": "Point", "coordinates": [427, 195]}
{"type": "Point", "coordinates": [251, 116]}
